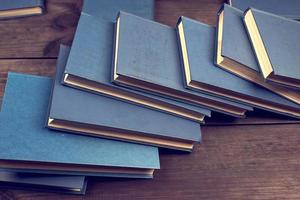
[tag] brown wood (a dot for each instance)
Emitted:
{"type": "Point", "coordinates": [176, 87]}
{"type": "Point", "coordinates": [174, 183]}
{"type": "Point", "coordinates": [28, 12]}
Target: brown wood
{"type": "Point", "coordinates": [233, 162]}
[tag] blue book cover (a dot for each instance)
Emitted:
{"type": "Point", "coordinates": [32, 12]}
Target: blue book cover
{"type": "Point", "coordinates": [148, 59]}
{"type": "Point", "coordinates": [27, 146]}
{"type": "Point", "coordinates": [197, 42]}
{"type": "Point", "coordinates": [44, 182]}
{"type": "Point", "coordinates": [89, 68]}
{"type": "Point", "coordinates": [275, 43]}
{"type": "Point", "coordinates": [234, 52]}
{"type": "Point", "coordinates": [20, 8]}
{"type": "Point", "coordinates": [108, 9]}
{"type": "Point", "coordinates": [286, 8]}
{"type": "Point", "coordinates": [88, 113]}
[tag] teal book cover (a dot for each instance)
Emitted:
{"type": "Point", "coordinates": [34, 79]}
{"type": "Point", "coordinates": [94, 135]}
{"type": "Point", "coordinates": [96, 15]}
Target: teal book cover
{"type": "Point", "coordinates": [286, 8]}
{"type": "Point", "coordinates": [89, 68]}
{"type": "Point", "coordinates": [275, 43]}
{"type": "Point", "coordinates": [26, 145]}
{"type": "Point", "coordinates": [234, 52]}
{"type": "Point", "coordinates": [88, 113]}
{"type": "Point", "coordinates": [43, 182]}
{"type": "Point", "coordinates": [108, 9]}
{"type": "Point", "coordinates": [197, 43]}
{"type": "Point", "coordinates": [148, 59]}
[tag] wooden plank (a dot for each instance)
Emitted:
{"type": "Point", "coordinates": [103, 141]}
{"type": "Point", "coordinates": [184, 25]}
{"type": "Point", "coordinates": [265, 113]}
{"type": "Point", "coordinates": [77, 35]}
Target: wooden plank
{"type": "Point", "coordinates": [40, 36]}
{"type": "Point", "coordinates": [168, 11]}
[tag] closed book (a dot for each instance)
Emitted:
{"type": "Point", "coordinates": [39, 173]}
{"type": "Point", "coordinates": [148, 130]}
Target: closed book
{"type": "Point", "coordinates": [234, 52]}
{"type": "Point", "coordinates": [148, 59]}
{"type": "Point", "coordinates": [286, 8]}
{"type": "Point", "coordinates": [87, 113]}
{"type": "Point", "coordinates": [197, 42]}
{"type": "Point", "coordinates": [108, 10]}
{"type": "Point", "coordinates": [27, 146]}
{"type": "Point", "coordinates": [20, 8]}
{"type": "Point", "coordinates": [89, 68]}
{"type": "Point", "coordinates": [275, 43]}
{"type": "Point", "coordinates": [44, 182]}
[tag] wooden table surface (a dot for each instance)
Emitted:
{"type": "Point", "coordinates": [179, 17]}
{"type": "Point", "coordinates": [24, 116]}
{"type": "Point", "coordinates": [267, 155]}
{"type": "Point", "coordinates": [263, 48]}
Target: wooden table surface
{"type": "Point", "coordinates": [253, 158]}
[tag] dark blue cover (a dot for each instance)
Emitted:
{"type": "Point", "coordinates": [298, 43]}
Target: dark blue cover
{"type": "Point", "coordinates": [236, 46]}
{"type": "Point", "coordinates": [287, 8]}
{"type": "Point", "coordinates": [280, 37]}
{"type": "Point", "coordinates": [88, 108]}
{"type": "Point", "coordinates": [200, 43]}
{"type": "Point", "coordinates": [24, 138]}
{"type": "Point", "coordinates": [91, 57]}
{"type": "Point", "coordinates": [108, 9]}
{"type": "Point", "coordinates": [68, 184]}
{"type": "Point", "coordinates": [19, 4]}
{"type": "Point", "coordinates": [150, 53]}
{"type": "Point", "coordinates": [235, 42]}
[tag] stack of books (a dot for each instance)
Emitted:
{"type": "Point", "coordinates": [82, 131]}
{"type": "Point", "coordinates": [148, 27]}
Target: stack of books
{"type": "Point", "coordinates": [129, 85]}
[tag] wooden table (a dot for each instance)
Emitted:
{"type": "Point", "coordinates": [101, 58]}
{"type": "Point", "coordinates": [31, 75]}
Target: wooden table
{"type": "Point", "coordinates": [254, 158]}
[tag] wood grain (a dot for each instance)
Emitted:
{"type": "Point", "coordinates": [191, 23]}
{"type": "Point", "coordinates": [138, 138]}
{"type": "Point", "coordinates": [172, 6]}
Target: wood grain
{"type": "Point", "coordinates": [168, 11]}
{"type": "Point", "coordinates": [233, 162]}
{"type": "Point", "coordinates": [42, 67]}
{"type": "Point", "coordinates": [40, 36]}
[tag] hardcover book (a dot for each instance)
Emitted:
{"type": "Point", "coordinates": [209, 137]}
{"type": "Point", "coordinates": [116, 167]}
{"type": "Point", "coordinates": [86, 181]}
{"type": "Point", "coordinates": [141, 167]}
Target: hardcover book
{"type": "Point", "coordinates": [45, 182]}
{"type": "Point", "coordinates": [234, 52]}
{"type": "Point", "coordinates": [27, 146]}
{"type": "Point", "coordinates": [20, 8]}
{"type": "Point", "coordinates": [275, 43]}
{"type": "Point", "coordinates": [286, 8]}
{"type": "Point", "coordinates": [148, 59]}
{"type": "Point", "coordinates": [197, 42]}
{"type": "Point", "coordinates": [108, 10]}
{"type": "Point", "coordinates": [87, 113]}
{"type": "Point", "coordinates": [89, 68]}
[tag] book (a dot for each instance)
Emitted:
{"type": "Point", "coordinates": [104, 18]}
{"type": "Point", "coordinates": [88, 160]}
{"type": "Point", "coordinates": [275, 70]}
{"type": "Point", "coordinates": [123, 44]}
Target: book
{"type": "Point", "coordinates": [44, 182]}
{"type": "Point", "coordinates": [108, 10]}
{"type": "Point", "coordinates": [27, 146]}
{"type": "Point", "coordinates": [197, 43]}
{"type": "Point", "coordinates": [20, 8]}
{"type": "Point", "coordinates": [148, 59]}
{"type": "Point", "coordinates": [89, 68]}
{"type": "Point", "coordinates": [234, 52]}
{"type": "Point", "coordinates": [87, 113]}
{"type": "Point", "coordinates": [275, 43]}
{"type": "Point", "coordinates": [286, 8]}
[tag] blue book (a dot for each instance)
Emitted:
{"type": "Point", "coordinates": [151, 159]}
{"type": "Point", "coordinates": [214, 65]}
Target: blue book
{"type": "Point", "coordinates": [20, 8]}
{"type": "Point", "coordinates": [89, 68]}
{"type": "Point", "coordinates": [108, 9]}
{"type": "Point", "coordinates": [275, 43]}
{"type": "Point", "coordinates": [286, 8]}
{"type": "Point", "coordinates": [234, 52]}
{"type": "Point", "coordinates": [44, 182]}
{"type": "Point", "coordinates": [148, 59]}
{"type": "Point", "coordinates": [27, 146]}
{"type": "Point", "coordinates": [87, 113]}
{"type": "Point", "coordinates": [197, 43]}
